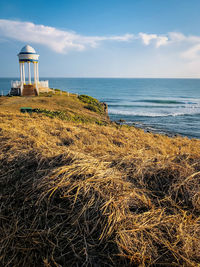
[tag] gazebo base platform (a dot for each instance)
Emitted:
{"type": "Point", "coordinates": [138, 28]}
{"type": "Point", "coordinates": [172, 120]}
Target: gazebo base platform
{"type": "Point", "coordinates": [29, 90]}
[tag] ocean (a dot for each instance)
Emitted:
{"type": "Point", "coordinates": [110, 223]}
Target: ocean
{"type": "Point", "coordinates": [168, 106]}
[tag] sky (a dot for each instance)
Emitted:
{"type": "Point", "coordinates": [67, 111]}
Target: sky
{"type": "Point", "coordinates": [103, 38]}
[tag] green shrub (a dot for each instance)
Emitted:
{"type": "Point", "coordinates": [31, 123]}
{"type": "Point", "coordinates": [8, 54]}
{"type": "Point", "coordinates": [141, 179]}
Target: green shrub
{"type": "Point", "coordinates": [93, 104]}
{"type": "Point", "coordinates": [92, 108]}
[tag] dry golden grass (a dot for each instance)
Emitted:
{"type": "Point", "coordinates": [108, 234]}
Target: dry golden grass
{"type": "Point", "coordinates": [76, 194]}
{"type": "Point", "coordinates": [71, 105]}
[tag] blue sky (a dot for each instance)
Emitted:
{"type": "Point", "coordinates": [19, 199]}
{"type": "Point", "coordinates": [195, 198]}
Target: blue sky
{"type": "Point", "coordinates": [113, 38]}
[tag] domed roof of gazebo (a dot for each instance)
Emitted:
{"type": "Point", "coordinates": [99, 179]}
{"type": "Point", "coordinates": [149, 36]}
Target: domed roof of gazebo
{"type": "Point", "coordinates": [28, 50]}
{"type": "Point", "coordinates": [28, 54]}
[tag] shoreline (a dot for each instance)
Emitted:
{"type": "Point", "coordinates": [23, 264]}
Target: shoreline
{"type": "Point", "coordinates": [150, 129]}
{"type": "Point", "coordinates": [138, 125]}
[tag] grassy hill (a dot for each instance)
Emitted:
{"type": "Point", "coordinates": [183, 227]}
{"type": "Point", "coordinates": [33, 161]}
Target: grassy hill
{"type": "Point", "coordinates": [78, 190]}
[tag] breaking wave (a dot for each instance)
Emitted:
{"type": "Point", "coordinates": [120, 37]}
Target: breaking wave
{"type": "Point", "coordinates": [149, 114]}
{"type": "Point", "coordinates": [160, 101]}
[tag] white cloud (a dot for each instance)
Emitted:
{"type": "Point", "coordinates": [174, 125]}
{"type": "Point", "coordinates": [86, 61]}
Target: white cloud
{"type": "Point", "coordinates": [189, 46]}
{"type": "Point", "coordinates": [192, 53]}
{"type": "Point", "coordinates": [62, 41]}
{"type": "Point", "coordinates": [158, 39]}
{"type": "Point", "coordinates": [176, 37]}
{"type": "Point", "coordinates": [58, 40]}
{"type": "Point", "coordinates": [161, 40]}
{"type": "Point", "coordinates": [146, 38]}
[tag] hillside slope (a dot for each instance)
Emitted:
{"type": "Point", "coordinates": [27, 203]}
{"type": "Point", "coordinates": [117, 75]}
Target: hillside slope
{"type": "Point", "coordinates": [77, 190]}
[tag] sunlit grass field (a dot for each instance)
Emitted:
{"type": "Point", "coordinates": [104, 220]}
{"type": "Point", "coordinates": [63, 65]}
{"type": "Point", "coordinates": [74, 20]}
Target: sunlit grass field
{"type": "Point", "coordinates": [79, 190]}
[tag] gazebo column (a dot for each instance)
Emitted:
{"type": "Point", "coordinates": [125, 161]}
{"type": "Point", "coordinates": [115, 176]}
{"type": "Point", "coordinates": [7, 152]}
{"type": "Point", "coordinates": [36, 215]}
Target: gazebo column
{"type": "Point", "coordinates": [20, 67]}
{"type": "Point", "coordinates": [34, 68]}
{"type": "Point", "coordinates": [37, 77]}
{"type": "Point", "coordinates": [29, 72]}
{"type": "Point", "coordinates": [37, 73]}
{"type": "Point", "coordinates": [24, 79]}
{"type": "Point", "coordinates": [21, 78]}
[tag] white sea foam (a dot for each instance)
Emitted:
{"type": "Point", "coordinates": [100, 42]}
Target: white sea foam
{"type": "Point", "coordinates": [153, 114]}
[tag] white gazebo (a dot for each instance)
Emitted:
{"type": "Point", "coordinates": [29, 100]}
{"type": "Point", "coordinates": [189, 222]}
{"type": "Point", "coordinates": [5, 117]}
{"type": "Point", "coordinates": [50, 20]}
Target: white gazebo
{"type": "Point", "coordinates": [27, 88]}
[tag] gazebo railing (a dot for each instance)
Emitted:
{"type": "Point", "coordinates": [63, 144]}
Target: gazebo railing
{"type": "Point", "coordinates": [43, 83]}
{"type": "Point", "coordinates": [16, 84]}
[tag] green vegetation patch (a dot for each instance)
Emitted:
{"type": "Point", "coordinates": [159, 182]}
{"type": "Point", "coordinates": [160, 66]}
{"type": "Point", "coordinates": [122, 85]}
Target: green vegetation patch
{"type": "Point", "coordinates": [26, 109]}
{"type": "Point", "coordinates": [93, 104]}
{"type": "Point", "coordinates": [49, 94]}
{"type": "Point", "coordinates": [68, 117]}
{"type": "Point", "coordinates": [53, 92]}
{"type": "Point", "coordinates": [53, 114]}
